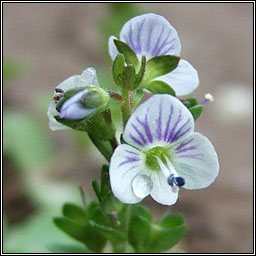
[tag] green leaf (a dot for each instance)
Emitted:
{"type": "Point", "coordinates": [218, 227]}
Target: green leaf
{"type": "Point", "coordinates": [129, 54]}
{"type": "Point", "coordinates": [85, 234]}
{"type": "Point", "coordinates": [63, 248]}
{"type": "Point", "coordinates": [74, 212]}
{"type": "Point", "coordinates": [95, 213]}
{"type": "Point", "coordinates": [160, 87]}
{"type": "Point", "coordinates": [196, 111]}
{"type": "Point", "coordinates": [166, 233]}
{"type": "Point", "coordinates": [141, 211]}
{"type": "Point", "coordinates": [71, 228]}
{"type": "Point", "coordinates": [104, 147]}
{"type": "Point", "coordinates": [118, 67]}
{"type": "Point", "coordinates": [128, 77]}
{"type": "Point", "coordinates": [139, 233]}
{"type": "Point", "coordinates": [137, 98]}
{"type": "Point", "coordinates": [116, 237]}
{"type": "Point", "coordinates": [160, 65]}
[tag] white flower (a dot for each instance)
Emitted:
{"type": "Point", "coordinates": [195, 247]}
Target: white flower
{"type": "Point", "coordinates": [87, 78]}
{"type": "Point", "coordinates": [162, 154]}
{"type": "Point", "coordinates": [152, 35]}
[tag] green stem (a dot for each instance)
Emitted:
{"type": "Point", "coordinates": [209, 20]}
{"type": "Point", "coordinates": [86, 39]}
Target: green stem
{"type": "Point", "coordinates": [125, 108]}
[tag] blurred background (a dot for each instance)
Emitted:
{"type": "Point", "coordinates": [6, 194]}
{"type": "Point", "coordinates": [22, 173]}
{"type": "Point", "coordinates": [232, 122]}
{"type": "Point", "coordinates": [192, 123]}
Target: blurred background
{"type": "Point", "coordinates": [46, 43]}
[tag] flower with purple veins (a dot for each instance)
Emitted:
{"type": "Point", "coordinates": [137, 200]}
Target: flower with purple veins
{"type": "Point", "coordinates": [152, 35]}
{"type": "Point", "coordinates": [162, 154]}
{"type": "Point", "coordinates": [86, 79]}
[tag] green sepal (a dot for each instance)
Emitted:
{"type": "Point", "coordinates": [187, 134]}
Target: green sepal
{"type": "Point", "coordinates": [118, 68]}
{"type": "Point", "coordinates": [140, 75]}
{"type": "Point", "coordinates": [160, 87]}
{"type": "Point", "coordinates": [160, 65]}
{"type": "Point", "coordinates": [137, 98]}
{"type": "Point", "coordinates": [139, 210]}
{"type": "Point", "coordinates": [166, 233]}
{"type": "Point", "coordinates": [74, 212]}
{"type": "Point", "coordinates": [97, 125]}
{"type": "Point", "coordinates": [196, 111]}
{"type": "Point", "coordinates": [111, 204]}
{"type": "Point", "coordinates": [190, 102]}
{"type": "Point", "coordinates": [129, 55]}
{"type": "Point", "coordinates": [128, 77]}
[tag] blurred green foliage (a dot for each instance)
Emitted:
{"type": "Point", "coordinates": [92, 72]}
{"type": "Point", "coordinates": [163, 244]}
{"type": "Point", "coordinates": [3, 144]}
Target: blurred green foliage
{"type": "Point", "coordinates": [12, 69]}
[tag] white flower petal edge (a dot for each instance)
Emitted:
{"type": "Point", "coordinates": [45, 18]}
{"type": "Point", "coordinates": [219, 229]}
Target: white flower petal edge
{"type": "Point", "coordinates": [113, 52]}
{"type": "Point", "coordinates": [159, 121]}
{"type": "Point", "coordinates": [184, 79]}
{"type": "Point", "coordinates": [127, 164]}
{"type": "Point", "coordinates": [151, 35]}
{"type": "Point", "coordinates": [87, 78]}
{"type": "Point", "coordinates": [196, 160]}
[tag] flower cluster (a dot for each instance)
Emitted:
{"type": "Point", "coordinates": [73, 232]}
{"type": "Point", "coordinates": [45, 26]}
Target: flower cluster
{"type": "Point", "coordinates": [160, 152]}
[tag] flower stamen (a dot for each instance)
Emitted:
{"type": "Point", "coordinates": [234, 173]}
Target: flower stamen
{"type": "Point", "coordinates": [208, 97]}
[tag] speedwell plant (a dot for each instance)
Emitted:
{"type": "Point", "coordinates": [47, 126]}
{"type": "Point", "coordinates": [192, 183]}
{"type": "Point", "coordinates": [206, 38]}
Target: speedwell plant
{"type": "Point", "coordinates": [158, 152]}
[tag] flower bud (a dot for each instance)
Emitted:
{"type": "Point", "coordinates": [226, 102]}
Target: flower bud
{"type": "Point", "coordinates": [83, 103]}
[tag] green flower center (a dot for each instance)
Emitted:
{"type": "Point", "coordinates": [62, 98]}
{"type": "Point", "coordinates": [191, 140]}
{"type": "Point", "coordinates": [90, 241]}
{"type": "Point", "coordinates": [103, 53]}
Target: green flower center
{"type": "Point", "coordinates": [152, 154]}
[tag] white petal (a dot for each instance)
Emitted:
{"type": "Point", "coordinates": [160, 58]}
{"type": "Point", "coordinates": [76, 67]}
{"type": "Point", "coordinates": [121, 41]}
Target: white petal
{"type": "Point", "coordinates": [126, 163]}
{"type": "Point", "coordinates": [53, 124]}
{"type": "Point", "coordinates": [142, 185]}
{"type": "Point", "coordinates": [196, 161]}
{"type": "Point", "coordinates": [112, 47]}
{"type": "Point", "coordinates": [184, 79]}
{"type": "Point", "coordinates": [151, 35]}
{"type": "Point", "coordinates": [88, 77]}
{"type": "Point", "coordinates": [70, 83]}
{"type": "Point", "coordinates": [159, 121]}
{"type": "Point", "coordinates": [162, 191]}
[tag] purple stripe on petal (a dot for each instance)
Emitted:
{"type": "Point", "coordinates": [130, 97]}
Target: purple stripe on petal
{"type": "Point", "coordinates": [148, 45]}
{"type": "Point", "coordinates": [168, 124]}
{"type": "Point", "coordinates": [168, 49]}
{"type": "Point", "coordinates": [184, 144]}
{"type": "Point", "coordinates": [180, 135]}
{"type": "Point", "coordinates": [140, 134]}
{"type": "Point", "coordinates": [196, 156]}
{"type": "Point", "coordinates": [135, 140]}
{"type": "Point", "coordinates": [130, 39]}
{"type": "Point", "coordinates": [157, 43]}
{"type": "Point", "coordinates": [131, 152]}
{"type": "Point", "coordinates": [159, 123]}
{"type": "Point", "coordinates": [186, 149]}
{"type": "Point", "coordinates": [129, 160]}
{"type": "Point", "coordinates": [177, 134]}
{"type": "Point", "coordinates": [162, 45]}
{"type": "Point", "coordinates": [172, 133]}
{"type": "Point", "coordinates": [146, 127]}
{"type": "Point", "coordinates": [133, 167]}
{"type": "Point", "coordinates": [139, 37]}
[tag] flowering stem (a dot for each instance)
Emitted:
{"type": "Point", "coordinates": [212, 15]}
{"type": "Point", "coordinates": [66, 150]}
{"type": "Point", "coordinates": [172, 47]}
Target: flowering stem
{"type": "Point", "coordinates": [125, 108]}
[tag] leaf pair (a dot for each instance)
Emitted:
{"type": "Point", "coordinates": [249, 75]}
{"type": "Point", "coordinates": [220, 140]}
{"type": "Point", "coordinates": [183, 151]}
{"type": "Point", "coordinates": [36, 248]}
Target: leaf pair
{"type": "Point", "coordinates": [148, 237]}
